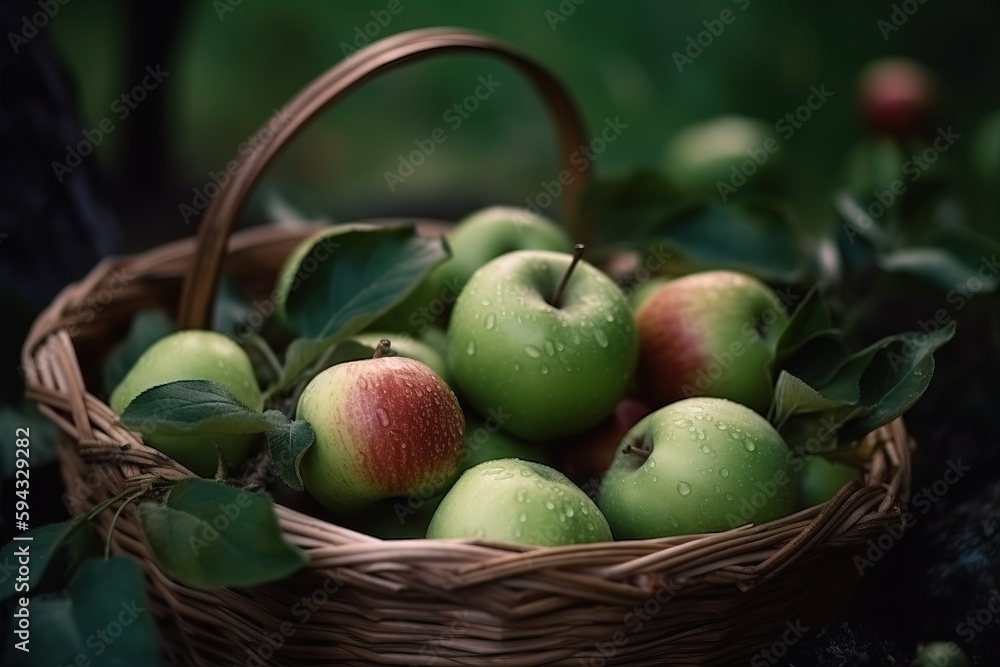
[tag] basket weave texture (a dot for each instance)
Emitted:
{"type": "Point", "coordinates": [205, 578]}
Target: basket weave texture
{"type": "Point", "coordinates": [702, 599]}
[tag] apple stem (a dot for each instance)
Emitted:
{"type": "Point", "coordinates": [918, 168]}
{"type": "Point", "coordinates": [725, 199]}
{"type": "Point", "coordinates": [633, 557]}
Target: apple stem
{"type": "Point", "coordinates": [382, 349]}
{"type": "Point", "coordinates": [637, 450]}
{"type": "Point", "coordinates": [577, 256]}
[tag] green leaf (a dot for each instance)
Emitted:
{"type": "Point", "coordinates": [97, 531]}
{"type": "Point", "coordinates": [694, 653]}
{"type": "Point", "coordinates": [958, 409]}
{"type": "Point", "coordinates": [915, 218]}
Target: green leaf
{"type": "Point", "coordinates": [46, 549]}
{"type": "Point", "coordinates": [810, 318]}
{"type": "Point", "coordinates": [793, 396]}
{"type": "Point", "coordinates": [147, 327]}
{"type": "Point", "coordinates": [288, 444]}
{"type": "Point", "coordinates": [209, 535]}
{"type": "Point", "coordinates": [191, 407]}
{"type": "Point", "coordinates": [103, 619]}
{"type": "Point", "coordinates": [896, 378]}
{"type": "Point", "coordinates": [370, 269]}
{"type": "Point", "coordinates": [817, 358]}
{"type": "Point", "coordinates": [954, 260]}
{"type": "Point", "coordinates": [756, 240]}
{"type": "Point", "coordinates": [306, 357]}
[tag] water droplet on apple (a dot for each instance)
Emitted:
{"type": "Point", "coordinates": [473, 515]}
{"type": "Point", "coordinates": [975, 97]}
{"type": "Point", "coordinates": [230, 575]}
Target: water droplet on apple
{"type": "Point", "coordinates": [550, 348]}
{"type": "Point", "coordinates": [706, 449]}
{"type": "Point", "coordinates": [491, 321]}
{"type": "Point", "coordinates": [609, 317]}
{"type": "Point", "coordinates": [471, 348]}
{"type": "Point", "coordinates": [520, 495]}
{"type": "Point", "coordinates": [651, 463]}
{"type": "Point", "coordinates": [543, 369]}
{"type": "Point", "coordinates": [549, 505]}
{"type": "Point", "coordinates": [576, 339]}
{"type": "Point", "coordinates": [749, 445]}
{"type": "Point", "coordinates": [523, 518]}
{"type": "Point", "coordinates": [485, 302]}
{"type": "Point", "coordinates": [722, 427]}
{"type": "Point", "coordinates": [517, 367]}
{"type": "Point", "coordinates": [683, 488]}
{"type": "Point", "coordinates": [562, 518]}
{"type": "Point", "coordinates": [532, 351]}
{"type": "Point", "coordinates": [718, 489]}
{"type": "Point", "coordinates": [569, 512]}
{"type": "Point", "coordinates": [654, 478]}
{"type": "Point", "coordinates": [673, 522]}
{"type": "Point", "coordinates": [382, 416]}
{"type": "Point", "coordinates": [517, 533]}
{"type": "Point", "coordinates": [681, 422]}
{"type": "Point", "coordinates": [584, 511]}
{"type": "Point", "coordinates": [590, 526]}
{"type": "Point", "coordinates": [729, 496]}
{"type": "Point", "coordinates": [724, 472]}
{"type": "Point", "coordinates": [560, 347]}
{"type": "Point", "coordinates": [601, 339]}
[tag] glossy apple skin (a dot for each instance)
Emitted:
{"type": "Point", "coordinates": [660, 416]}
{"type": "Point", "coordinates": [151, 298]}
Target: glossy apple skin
{"type": "Point", "coordinates": [195, 355]}
{"type": "Point", "coordinates": [898, 97]}
{"type": "Point", "coordinates": [733, 468]}
{"type": "Point", "coordinates": [384, 427]}
{"type": "Point", "coordinates": [524, 502]}
{"type": "Point", "coordinates": [474, 241]}
{"type": "Point", "coordinates": [709, 334]}
{"type": "Point", "coordinates": [556, 371]}
{"type": "Point", "coordinates": [820, 479]}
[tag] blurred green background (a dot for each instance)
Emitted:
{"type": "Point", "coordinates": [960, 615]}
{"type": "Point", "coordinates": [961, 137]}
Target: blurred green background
{"type": "Point", "coordinates": [234, 63]}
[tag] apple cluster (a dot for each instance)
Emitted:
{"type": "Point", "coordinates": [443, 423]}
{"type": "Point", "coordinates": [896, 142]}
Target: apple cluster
{"type": "Point", "coordinates": [517, 395]}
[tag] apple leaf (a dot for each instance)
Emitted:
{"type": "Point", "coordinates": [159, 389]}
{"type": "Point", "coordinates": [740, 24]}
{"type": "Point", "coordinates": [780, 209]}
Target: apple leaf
{"type": "Point", "coordinates": [78, 626]}
{"type": "Point", "coordinates": [49, 547]}
{"type": "Point", "coordinates": [147, 328]}
{"type": "Point", "coordinates": [812, 317]}
{"type": "Point", "coordinates": [370, 270]}
{"type": "Point", "coordinates": [188, 407]}
{"type": "Point", "coordinates": [305, 356]}
{"type": "Point", "coordinates": [953, 259]}
{"type": "Point", "coordinates": [209, 535]}
{"type": "Point", "coordinates": [896, 377]}
{"type": "Point", "coordinates": [288, 444]}
{"type": "Point", "coordinates": [793, 396]}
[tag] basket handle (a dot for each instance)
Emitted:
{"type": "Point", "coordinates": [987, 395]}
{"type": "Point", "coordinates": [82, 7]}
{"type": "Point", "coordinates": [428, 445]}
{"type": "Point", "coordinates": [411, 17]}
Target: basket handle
{"type": "Point", "coordinates": [217, 222]}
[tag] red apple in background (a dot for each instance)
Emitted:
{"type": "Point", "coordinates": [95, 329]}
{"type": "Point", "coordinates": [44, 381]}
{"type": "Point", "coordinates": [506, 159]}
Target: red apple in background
{"type": "Point", "coordinates": [584, 458]}
{"type": "Point", "coordinates": [385, 427]}
{"type": "Point", "coordinates": [898, 97]}
{"type": "Point", "coordinates": [709, 334]}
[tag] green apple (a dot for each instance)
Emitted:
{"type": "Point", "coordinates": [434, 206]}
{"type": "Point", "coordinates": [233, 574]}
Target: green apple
{"type": "Point", "coordinates": [699, 465]}
{"type": "Point", "coordinates": [728, 149]}
{"type": "Point", "coordinates": [555, 369]}
{"type": "Point", "coordinates": [474, 241]}
{"type": "Point", "coordinates": [411, 348]}
{"type": "Point", "coordinates": [940, 654]}
{"type": "Point", "coordinates": [195, 355]}
{"type": "Point", "coordinates": [485, 441]}
{"type": "Point", "coordinates": [709, 334]}
{"type": "Point", "coordinates": [385, 427]}
{"type": "Point", "coordinates": [510, 500]}
{"type": "Point", "coordinates": [821, 479]}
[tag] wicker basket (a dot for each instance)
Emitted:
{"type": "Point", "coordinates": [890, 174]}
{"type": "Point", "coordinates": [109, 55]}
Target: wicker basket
{"type": "Point", "coordinates": [702, 599]}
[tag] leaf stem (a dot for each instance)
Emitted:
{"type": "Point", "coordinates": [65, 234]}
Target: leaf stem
{"type": "Point", "coordinates": [114, 520]}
